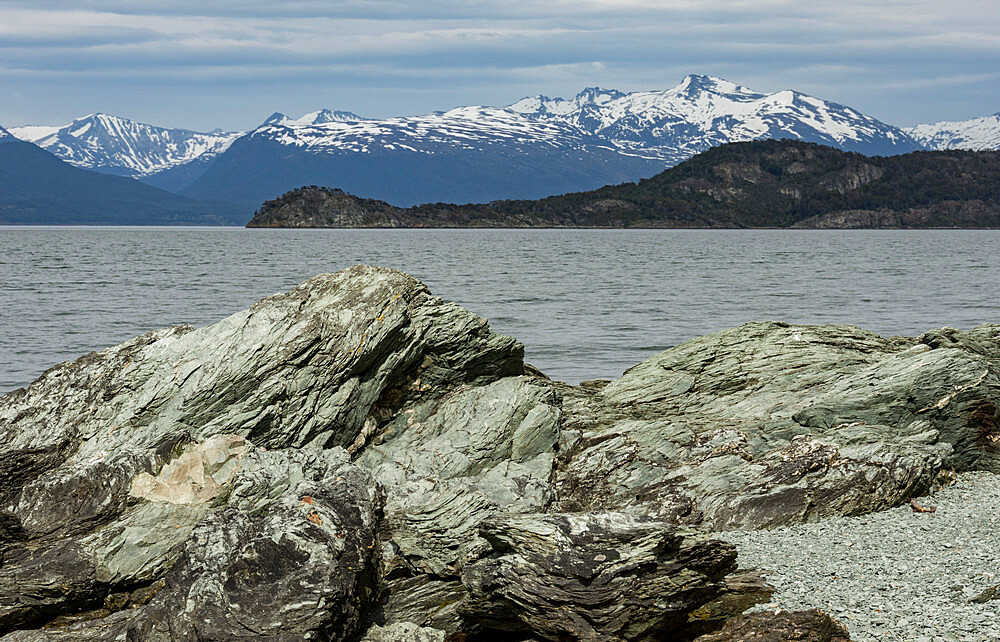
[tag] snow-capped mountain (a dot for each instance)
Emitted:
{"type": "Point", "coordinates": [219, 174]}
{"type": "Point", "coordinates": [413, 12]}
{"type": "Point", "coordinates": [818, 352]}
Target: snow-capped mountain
{"type": "Point", "coordinates": [975, 134]}
{"type": "Point", "coordinates": [314, 118]}
{"type": "Point", "coordinates": [557, 107]}
{"type": "Point", "coordinates": [460, 128]}
{"type": "Point", "coordinates": [461, 155]}
{"type": "Point", "coordinates": [116, 145]}
{"type": "Point", "coordinates": [703, 112]}
{"type": "Point", "coordinates": [535, 147]}
{"type": "Point", "coordinates": [36, 187]}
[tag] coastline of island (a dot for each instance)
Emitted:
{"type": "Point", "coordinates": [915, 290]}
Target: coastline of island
{"type": "Point", "coordinates": [781, 184]}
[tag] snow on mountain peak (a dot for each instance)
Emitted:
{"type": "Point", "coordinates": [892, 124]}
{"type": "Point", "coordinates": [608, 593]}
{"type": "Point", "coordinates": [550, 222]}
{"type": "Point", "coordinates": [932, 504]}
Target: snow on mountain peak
{"type": "Point", "coordinates": [275, 119]}
{"type": "Point", "coordinates": [313, 118]}
{"type": "Point", "coordinates": [974, 134]}
{"type": "Point", "coordinates": [543, 105]}
{"type": "Point", "coordinates": [695, 84]}
{"type": "Point", "coordinates": [667, 126]}
{"type": "Point", "coordinates": [34, 133]}
{"type": "Point", "coordinates": [703, 111]}
{"type": "Point", "coordinates": [123, 146]}
{"type": "Point", "coordinates": [4, 134]}
{"type": "Point", "coordinates": [597, 96]}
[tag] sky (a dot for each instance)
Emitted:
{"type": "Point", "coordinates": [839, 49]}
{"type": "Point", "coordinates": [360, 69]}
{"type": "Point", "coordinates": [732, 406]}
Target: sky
{"type": "Point", "coordinates": [229, 64]}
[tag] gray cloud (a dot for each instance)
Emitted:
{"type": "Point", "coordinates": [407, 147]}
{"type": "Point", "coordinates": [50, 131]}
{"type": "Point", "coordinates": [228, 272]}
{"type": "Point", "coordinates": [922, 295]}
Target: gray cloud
{"type": "Point", "coordinates": [207, 64]}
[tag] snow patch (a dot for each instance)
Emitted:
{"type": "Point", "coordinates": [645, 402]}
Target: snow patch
{"type": "Point", "coordinates": [975, 134]}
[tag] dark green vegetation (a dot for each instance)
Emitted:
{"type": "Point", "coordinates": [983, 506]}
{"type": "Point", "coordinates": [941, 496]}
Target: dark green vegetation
{"type": "Point", "coordinates": [771, 183]}
{"type": "Point", "coordinates": [36, 187]}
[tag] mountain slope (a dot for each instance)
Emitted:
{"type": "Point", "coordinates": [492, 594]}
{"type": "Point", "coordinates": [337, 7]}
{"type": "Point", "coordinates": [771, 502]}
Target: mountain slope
{"type": "Point", "coordinates": [123, 147]}
{"type": "Point", "coordinates": [975, 134]}
{"type": "Point", "coordinates": [755, 184]}
{"type": "Point", "coordinates": [703, 112]}
{"type": "Point", "coordinates": [314, 118]}
{"type": "Point", "coordinates": [36, 187]}
{"type": "Point", "coordinates": [466, 154]}
{"type": "Point", "coordinates": [535, 147]}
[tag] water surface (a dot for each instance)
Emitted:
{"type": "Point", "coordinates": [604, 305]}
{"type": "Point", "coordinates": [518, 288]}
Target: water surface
{"type": "Point", "coordinates": [586, 303]}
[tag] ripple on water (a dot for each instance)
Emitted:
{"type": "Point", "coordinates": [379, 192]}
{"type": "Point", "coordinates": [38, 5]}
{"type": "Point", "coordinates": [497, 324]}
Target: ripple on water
{"type": "Point", "coordinates": [586, 303]}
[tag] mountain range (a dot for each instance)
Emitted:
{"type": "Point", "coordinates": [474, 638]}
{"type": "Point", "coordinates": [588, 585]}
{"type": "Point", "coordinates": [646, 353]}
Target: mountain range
{"type": "Point", "coordinates": [976, 134]}
{"type": "Point", "coordinates": [535, 147]}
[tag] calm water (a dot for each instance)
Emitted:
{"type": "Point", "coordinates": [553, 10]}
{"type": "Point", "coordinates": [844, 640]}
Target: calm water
{"type": "Point", "coordinates": [586, 303]}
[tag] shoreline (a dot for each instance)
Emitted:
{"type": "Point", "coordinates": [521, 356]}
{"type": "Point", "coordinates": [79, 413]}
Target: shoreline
{"type": "Point", "coordinates": [894, 575]}
{"type": "Point", "coordinates": [575, 227]}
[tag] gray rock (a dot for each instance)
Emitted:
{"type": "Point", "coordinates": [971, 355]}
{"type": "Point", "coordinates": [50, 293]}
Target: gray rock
{"type": "Point", "coordinates": [113, 475]}
{"type": "Point", "coordinates": [990, 594]}
{"type": "Point", "coordinates": [598, 576]}
{"type": "Point", "coordinates": [198, 484]}
{"type": "Point", "coordinates": [767, 626]}
{"type": "Point", "coordinates": [423, 600]}
{"type": "Point", "coordinates": [741, 590]}
{"type": "Point", "coordinates": [321, 365]}
{"type": "Point", "coordinates": [287, 547]}
{"type": "Point", "coordinates": [450, 463]}
{"type": "Point", "coordinates": [769, 424]}
{"type": "Point", "coordinates": [402, 632]}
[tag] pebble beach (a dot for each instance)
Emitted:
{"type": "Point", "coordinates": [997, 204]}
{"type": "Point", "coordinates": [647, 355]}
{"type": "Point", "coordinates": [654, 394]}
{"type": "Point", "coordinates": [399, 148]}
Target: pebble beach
{"type": "Point", "coordinates": [894, 575]}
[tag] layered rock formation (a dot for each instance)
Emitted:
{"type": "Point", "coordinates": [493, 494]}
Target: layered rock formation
{"type": "Point", "coordinates": [357, 458]}
{"type": "Point", "coordinates": [770, 424]}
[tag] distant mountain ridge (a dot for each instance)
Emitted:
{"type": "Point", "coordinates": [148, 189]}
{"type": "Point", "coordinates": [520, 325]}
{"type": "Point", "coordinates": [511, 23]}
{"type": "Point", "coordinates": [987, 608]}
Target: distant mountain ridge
{"type": "Point", "coordinates": [465, 154]}
{"type": "Point", "coordinates": [703, 112]}
{"type": "Point", "coordinates": [770, 183]}
{"type": "Point", "coordinates": [534, 147]}
{"type": "Point", "coordinates": [116, 145]}
{"type": "Point", "coordinates": [314, 118]}
{"type": "Point", "coordinates": [976, 134]}
{"type": "Point", "coordinates": [36, 187]}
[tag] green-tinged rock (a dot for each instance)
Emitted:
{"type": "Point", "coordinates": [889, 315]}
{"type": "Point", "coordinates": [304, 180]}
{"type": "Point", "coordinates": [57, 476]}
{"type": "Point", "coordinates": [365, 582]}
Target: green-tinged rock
{"type": "Point", "coordinates": [287, 550]}
{"type": "Point", "coordinates": [769, 424]}
{"type": "Point", "coordinates": [310, 367]}
{"type": "Point", "coordinates": [199, 484]}
{"type": "Point", "coordinates": [423, 600]}
{"type": "Point", "coordinates": [449, 463]}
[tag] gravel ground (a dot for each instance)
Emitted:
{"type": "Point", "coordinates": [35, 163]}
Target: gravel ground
{"type": "Point", "coordinates": [895, 575]}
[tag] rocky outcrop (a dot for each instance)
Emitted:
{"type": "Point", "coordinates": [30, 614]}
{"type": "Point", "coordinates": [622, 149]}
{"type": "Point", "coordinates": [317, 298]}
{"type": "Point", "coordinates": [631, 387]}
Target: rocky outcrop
{"type": "Point", "coordinates": [806, 626]}
{"type": "Point", "coordinates": [358, 458]}
{"type": "Point", "coordinates": [322, 207]}
{"type": "Point", "coordinates": [591, 577]}
{"type": "Point", "coordinates": [146, 462]}
{"type": "Point", "coordinates": [771, 424]}
{"type": "Point", "coordinates": [286, 548]}
{"type": "Point", "coordinates": [451, 463]}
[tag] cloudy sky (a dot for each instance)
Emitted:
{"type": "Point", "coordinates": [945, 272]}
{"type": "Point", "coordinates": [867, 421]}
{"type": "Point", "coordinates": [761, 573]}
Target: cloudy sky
{"type": "Point", "coordinates": [206, 64]}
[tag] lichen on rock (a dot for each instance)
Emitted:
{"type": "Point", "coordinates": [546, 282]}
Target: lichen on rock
{"type": "Point", "coordinates": [357, 458]}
